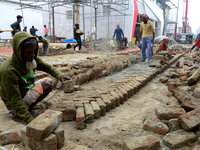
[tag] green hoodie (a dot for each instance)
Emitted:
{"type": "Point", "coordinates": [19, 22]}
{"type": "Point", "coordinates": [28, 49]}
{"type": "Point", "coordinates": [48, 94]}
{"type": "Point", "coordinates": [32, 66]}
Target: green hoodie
{"type": "Point", "coordinates": [16, 80]}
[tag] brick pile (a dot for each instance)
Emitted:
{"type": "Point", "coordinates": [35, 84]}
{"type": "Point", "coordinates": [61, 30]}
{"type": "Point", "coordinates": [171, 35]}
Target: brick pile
{"type": "Point", "coordinates": [44, 133]}
{"type": "Point", "coordinates": [91, 68]}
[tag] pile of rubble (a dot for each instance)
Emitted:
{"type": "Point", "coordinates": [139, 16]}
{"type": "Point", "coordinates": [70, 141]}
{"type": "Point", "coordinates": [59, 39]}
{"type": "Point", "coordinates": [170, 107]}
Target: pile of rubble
{"type": "Point", "coordinates": [183, 123]}
{"type": "Point", "coordinates": [177, 49]}
{"type": "Point", "coordinates": [160, 59]}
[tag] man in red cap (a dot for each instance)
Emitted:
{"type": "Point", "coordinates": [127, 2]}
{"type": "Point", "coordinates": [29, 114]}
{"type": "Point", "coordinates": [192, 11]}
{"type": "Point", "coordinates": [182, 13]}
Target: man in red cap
{"type": "Point", "coordinates": [147, 32]}
{"type": "Point", "coordinates": [119, 33]}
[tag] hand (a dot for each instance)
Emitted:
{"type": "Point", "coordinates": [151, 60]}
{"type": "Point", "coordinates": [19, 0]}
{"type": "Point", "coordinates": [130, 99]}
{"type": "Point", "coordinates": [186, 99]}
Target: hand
{"type": "Point", "coordinates": [63, 78]}
{"type": "Point", "coordinates": [153, 40]}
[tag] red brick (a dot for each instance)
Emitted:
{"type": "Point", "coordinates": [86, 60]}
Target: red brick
{"type": "Point", "coordinates": [44, 124]}
{"type": "Point", "coordinates": [172, 86]}
{"type": "Point", "coordinates": [116, 96]}
{"type": "Point", "coordinates": [112, 99]}
{"type": "Point", "coordinates": [80, 118]}
{"type": "Point", "coordinates": [169, 113]}
{"type": "Point", "coordinates": [49, 143]}
{"type": "Point", "coordinates": [149, 142]}
{"type": "Point", "coordinates": [173, 141]}
{"type": "Point", "coordinates": [68, 86]}
{"type": "Point", "coordinates": [9, 137]}
{"type": "Point", "coordinates": [190, 120]}
{"type": "Point", "coordinates": [106, 101]}
{"type": "Point", "coordinates": [60, 134]}
{"type": "Point", "coordinates": [128, 90]}
{"type": "Point", "coordinates": [89, 113]}
{"type": "Point", "coordinates": [125, 94]}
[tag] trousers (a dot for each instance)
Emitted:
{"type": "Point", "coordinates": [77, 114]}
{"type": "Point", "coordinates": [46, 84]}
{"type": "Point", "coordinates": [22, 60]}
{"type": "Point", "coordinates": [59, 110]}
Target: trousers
{"type": "Point", "coordinates": [119, 44]}
{"type": "Point", "coordinates": [146, 42]}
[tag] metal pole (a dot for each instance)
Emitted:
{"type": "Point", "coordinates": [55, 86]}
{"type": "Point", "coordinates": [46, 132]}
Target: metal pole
{"type": "Point", "coordinates": [84, 20]}
{"type": "Point", "coordinates": [186, 14]}
{"type": "Point", "coordinates": [22, 14]}
{"type": "Point", "coordinates": [49, 21]}
{"type": "Point", "coordinates": [91, 4]}
{"type": "Point", "coordinates": [53, 24]}
{"type": "Point", "coordinates": [176, 21]}
{"type": "Point", "coordinates": [96, 23]}
{"type": "Point", "coordinates": [73, 20]}
{"type": "Point", "coordinates": [108, 19]}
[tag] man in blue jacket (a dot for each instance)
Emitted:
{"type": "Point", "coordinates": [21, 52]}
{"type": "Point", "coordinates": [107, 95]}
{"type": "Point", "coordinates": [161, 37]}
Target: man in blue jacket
{"type": "Point", "coordinates": [119, 33]}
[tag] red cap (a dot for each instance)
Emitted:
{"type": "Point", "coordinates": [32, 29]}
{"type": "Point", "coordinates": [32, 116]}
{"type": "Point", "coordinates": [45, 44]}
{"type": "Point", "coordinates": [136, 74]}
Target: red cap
{"type": "Point", "coordinates": [117, 25]}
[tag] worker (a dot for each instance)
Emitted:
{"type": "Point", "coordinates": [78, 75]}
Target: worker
{"type": "Point", "coordinates": [46, 31]}
{"type": "Point", "coordinates": [77, 37]}
{"type": "Point", "coordinates": [163, 41]}
{"type": "Point", "coordinates": [33, 31]}
{"type": "Point", "coordinates": [124, 41]}
{"type": "Point", "coordinates": [17, 88]}
{"type": "Point", "coordinates": [45, 47]}
{"type": "Point", "coordinates": [197, 43]}
{"type": "Point", "coordinates": [16, 25]}
{"type": "Point", "coordinates": [25, 29]}
{"type": "Point", "coordinates": [118, 31]}
{"type": "Point", "coordinates": [147, 32]}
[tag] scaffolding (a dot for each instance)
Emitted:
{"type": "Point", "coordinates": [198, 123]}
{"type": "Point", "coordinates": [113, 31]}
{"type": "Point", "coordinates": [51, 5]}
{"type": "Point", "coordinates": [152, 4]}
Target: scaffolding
{"type": "Point", "coordinates": [93, 4]}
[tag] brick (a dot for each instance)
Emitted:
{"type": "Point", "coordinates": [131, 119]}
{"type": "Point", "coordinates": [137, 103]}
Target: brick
{"type": "Point", "coordinates": [125, 95]}
{"type": "Point", "coordinates": [149, 142]}
{"type": "Point", "coordinates": [180, 94]}
{"type": "Point", "coordinates": [59, 85]}
{"type": "Point", "coordinates": [172, 86]}
{"type": "Point", "coordinates": [163, 79]}
{"type": "Point", "coordinates": [44, 124]}
{"type": "Point", "coordinates": [68, 86]}
{"type": "Point", "coordinates": [60, 135]}
{"type": "Point", "coordinates": [27, 147]}
{"type": "Point", "coordinates": [97, 111]}
{"type": "Point", "coordinates": [107, 102]}
{"type": "Point", "coordinates": [116, 97]}
{"type": "Point", "coordinates": [76, 87]}
{"type": "Point", "coordinates": [112, 99]}
{"type": "Point", "coordinates": [156, 126]}
{"type": "Point", "coordinates": [173, 124]}
{"type": "Point", "coordinates": [189, 103]}
{"type": "Point", "coordinates": [169, 113]}
{"type": "Point", "coordinates": [9, 137]}
{"type": "Point", "coordinates": [128, 90]}
{"type": "Point", "coordinates": [190, 120]}
{"type": "Point", "coordinates": [102, 106]}
{"type": "Point", "coordinates": [80, 118]}
{"type": "Point", "coordinates": [25, 139]}
{"type": "Point", "coordinates": [194, 77]}
{"type": "Point", "coordinates": [68, 113]}
{"type": "Point", "coordinates": [89, 113]}
{"type": "Point", "coordinates": [121, 97]}
{"type": "Point", "coordinates": [179, 138]}
{"type": "Point", "coordinates": [196, 93]}
{"type": "Point", "coordinates": [49, 143]}
{"type": "Point", "coordinates": [133, 90]}
{"type": "Point", "coordinates": [135, 84]}
{"type": "Point", "coordinates": [197, 147]}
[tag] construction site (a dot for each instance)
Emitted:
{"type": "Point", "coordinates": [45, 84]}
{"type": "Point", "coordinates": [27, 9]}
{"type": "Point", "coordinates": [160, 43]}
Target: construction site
{"type": "Point", "coordinates": [111, 99]}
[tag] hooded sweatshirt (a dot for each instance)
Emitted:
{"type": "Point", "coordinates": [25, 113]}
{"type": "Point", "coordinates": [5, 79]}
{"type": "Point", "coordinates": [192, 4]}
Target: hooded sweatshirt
{"type": "Point", "coordinates": [16, 80]}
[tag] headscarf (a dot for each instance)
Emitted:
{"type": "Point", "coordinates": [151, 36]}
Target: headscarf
{"type": "Point", "coordinates": [144, 16]}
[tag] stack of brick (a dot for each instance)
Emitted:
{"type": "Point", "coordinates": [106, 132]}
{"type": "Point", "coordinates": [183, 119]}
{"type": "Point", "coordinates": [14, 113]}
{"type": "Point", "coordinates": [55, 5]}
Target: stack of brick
{"type": "Point", "coordinates": [43, 133]}
{"type": "Point", "coordinates": [99, 102]}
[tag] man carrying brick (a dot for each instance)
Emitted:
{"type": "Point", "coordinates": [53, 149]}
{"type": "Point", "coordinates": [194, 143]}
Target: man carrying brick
{"type": "Point", "coordinates": [17, 88]}
{"type": "Point", "coordinates": [146, 31]}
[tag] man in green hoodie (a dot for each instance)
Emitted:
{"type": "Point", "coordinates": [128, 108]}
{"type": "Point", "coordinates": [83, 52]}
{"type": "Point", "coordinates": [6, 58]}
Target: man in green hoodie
{"type": "Point", "coordinates": [17, 88]}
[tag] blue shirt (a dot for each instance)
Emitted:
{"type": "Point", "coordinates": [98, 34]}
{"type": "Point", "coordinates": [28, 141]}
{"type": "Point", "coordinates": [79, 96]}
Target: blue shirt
{"type": "Point", "coordinates": [119, 33]}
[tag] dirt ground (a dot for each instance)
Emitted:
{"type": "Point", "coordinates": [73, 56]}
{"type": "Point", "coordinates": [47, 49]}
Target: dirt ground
{"type": "Point", "coordinates": [109, 132]}
{"type": "Point", "coordinates": [121, 123]}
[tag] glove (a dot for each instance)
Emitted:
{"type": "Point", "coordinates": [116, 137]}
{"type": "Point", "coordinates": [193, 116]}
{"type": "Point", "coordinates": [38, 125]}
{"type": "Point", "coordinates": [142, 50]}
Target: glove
{"type": "Point", "coordinates": [63, 78]}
